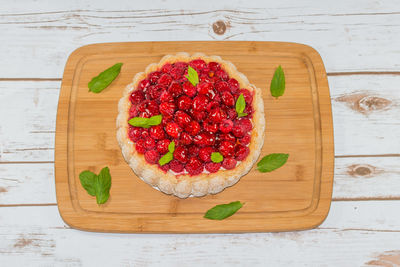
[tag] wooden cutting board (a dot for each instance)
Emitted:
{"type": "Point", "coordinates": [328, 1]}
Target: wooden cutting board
{"type": "Point", "coordinates": [294, 197]}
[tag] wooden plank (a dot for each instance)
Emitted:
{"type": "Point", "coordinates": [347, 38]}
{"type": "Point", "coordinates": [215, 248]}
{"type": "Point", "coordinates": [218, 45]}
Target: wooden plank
{"type": "Point", "coordinates": [354, 234]}
{"type": "Point", "coordinates": [365, 115]}
{"type": "Point", "coordinates": [349, 35]}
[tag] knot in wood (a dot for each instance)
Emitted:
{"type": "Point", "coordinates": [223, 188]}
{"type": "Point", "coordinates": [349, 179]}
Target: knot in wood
{"type": "Point", "coordinates": [219, 27]}
{"type": "Point", "coordinates": [361, 170]}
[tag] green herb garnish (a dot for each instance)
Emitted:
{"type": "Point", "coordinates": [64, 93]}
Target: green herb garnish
{"type": "Point", "coordinates": [278, 82]}
{"type": "Point", "coordinates": [272, 162]}
{"type": "Point", "coordinates": [223, 211]}
{"type": "Point", "coordinates": [145, 122]}
{"type": "Point", "coordinates": [169, 155]}
{"type": "Point", "coordinates": [216, 157]}
{"type": "Point", "coordinates": [240, 106]}
{"type": "Point", "coordinates": [192, 76]}
{"type": "Point", "coordinates": [101, 81]}
{"type": "Point", "coordinates": [97, 185]}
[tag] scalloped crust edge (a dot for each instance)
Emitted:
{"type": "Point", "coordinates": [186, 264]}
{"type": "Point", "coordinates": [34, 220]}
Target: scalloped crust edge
{"type": "Point", "coordinates": [185, 186]}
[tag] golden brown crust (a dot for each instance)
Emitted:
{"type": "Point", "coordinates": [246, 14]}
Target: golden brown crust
{"type": "Point", "coordinates": [184, 185]}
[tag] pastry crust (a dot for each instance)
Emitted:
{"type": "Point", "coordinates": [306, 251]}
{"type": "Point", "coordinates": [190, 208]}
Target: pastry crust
{"type": "Point", "coordinates": [185, 185]}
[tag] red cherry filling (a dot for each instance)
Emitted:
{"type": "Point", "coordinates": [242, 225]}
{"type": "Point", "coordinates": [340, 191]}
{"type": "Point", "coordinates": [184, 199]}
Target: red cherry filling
{"type": "Point", "coordinates": [200, 119]}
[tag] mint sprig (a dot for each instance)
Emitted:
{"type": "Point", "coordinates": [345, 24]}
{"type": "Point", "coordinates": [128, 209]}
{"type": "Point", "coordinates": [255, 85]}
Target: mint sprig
{"type": "Point", "coordinates": [97, 185]}
{"type": "Point", "coordinates": [272, 162]}
{"type": "Point", "coordinates": [168, 156]}
{"type": "Point", "coordinates": [277, 87]}
{"type": "Point", "coordinates": [145, 122]}
{"type": "Point", "coordinates": [240, 106]}
{"type": "Point", "coordinates": [192, 76]}
{"type": "Point", "coordinates": [223, 211]}
{"type": "Point", "coordinates": [216, 157]}
{"type": "Point", "coordinates": [104, 79]}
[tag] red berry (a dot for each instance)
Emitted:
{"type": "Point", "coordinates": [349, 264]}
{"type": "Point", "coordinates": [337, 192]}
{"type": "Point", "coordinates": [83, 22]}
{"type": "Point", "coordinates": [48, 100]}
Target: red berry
{"type": "Point", "coordinates": [241, 152]}
{"type": "Point", "coordinates": [200, 103]}
{"type": "Point", "coordinates": [176, 73]}
{"type": "Point", "coordinates": [194, 166]}
{"type": "Point", "coordinates": [175, 89]}
{"type": "Point", "coordinates": [217, 115]}
{"type": "Point", "coordinates": [193, 151]}
{"type": "Point", "coordinates": [222, 86]}
{"type": "Point", "coordinates": [221, 74]}
{"type": "Point", "coordinates": [185, 139]}
{"type": "Point", "coordinates": [204, 139]}
{"type": "Point", "coordinates": [181, 154]}
{"type": "Point", "coordinates": [210, 127]}
{"type": "Point", "coordinates": [167, 108]}
{"type": "Point", "coordinates": [193, 128]}
{"type": "Point", "coordinates": [189, 89]}
{"type": "Point", "coordinates": [137, 97]}
{"type": "Point", "coordinates": [166, 97]}
{"type": "Point", "coordinates": [154, 76]}
{"type": "Point", "coordinates": [182, 118]}
{"type": "Point", "coordinates": [185, 102]}
{"type": "Point", "coordinates": [232, 114]}
{"type": "Point", "coordinates": [227, 149]}
{"type": "Point", "coordinates": [204, 88]}
{"type": "Point", "coordinates": [205, 153]}
{"type": "Point", "coordinates": [198, 64]}
{"type": "Point", "coordinates": [133, 112]}
{"type": "Point", "coordinates": [166, 68]}
{"type": "Point", "coordinates": [214, 66]}
{"type": "Point", "coordinates": [199, 115]}
{"type": "Point", "coordinates": [238, 130]}
{"type": "Point", "coordinates": [228, 99]}
{"type": "Point", "coordinates": [134, 133]}
{"type": "Point", "coordinates": [164, 167]}
{"type": "Point", "coordinates": [248, 96]}
{"type": "Point", "coordinates": [162, 146]}
{"type": "Point", "coordinates": [234, 85]}
{"type": "Point", "coordinates": [246, 124]}
{"type": "Point", "coordinates": [140, 146]}
{"type": "Point", "coordinates": [157, 132]}
{"type": "Point", "coordinates": [245, 140]}
{"type": "Point", "coordinates": [173, 129]}
{"type": "Point", "coordinates": [149, 143]}
{"type": "Point", "coordinates": [213, 167]}
{"type": "Point", "coordinates": [152, 156]}
{"type": "Point", "coordinates": [226, 126]}
{"type": "Point", "coordinates": [229, 163]}
{"type": "Point", "coordinates": [181, 65]}
{"type": "Point", "coordinates": [143, 84]}
{"type": "Point", "coordinates": [212, 105]}
{"type": "Point", "coordinates": [155, 91]}
{"type": "Point", "coordinates": [145, 133]}
{"type": "Point", "coordinates": [176, 166]}
{"type": "Point", "coordinates": [228, 137]}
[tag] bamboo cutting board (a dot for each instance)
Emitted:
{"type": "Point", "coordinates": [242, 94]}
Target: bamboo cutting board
{"type": "Point", "coordinates": [294, 197]}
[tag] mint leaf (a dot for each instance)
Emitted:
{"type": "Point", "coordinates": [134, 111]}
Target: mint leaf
{"type": "Point", "coordinates": [145, 122]}
{"type": "Point", "coordinates": [87, 181]}
{"type": "Point", "coordinates": [216, 157]}
{"type": "Point", "coordinates": [272, 162]}
{"type": "Point", "coordinates": [102, 185]}
{"type": "Point", "coordinates": [171, 147]}
{"type": "Point", "coordinates": [97, 185]}
{"type": "Point", "coordinates": [101, 81]}
{"type": "Point", "coordinates": [223, 211]}
{"type": "Point", "coordinates": [166, 158]}
{"type": "Point", "coordinates": [278, 82]}
{"type": "Point", "coordinates": [192, 76]}
{"type": "Point", "coordinates": [155, 120]}
{"type": "Point", "coordinates": [240, 106]}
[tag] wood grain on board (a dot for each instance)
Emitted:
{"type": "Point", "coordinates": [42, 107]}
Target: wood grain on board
{"type": "Point", "coordinates": [299, 123]}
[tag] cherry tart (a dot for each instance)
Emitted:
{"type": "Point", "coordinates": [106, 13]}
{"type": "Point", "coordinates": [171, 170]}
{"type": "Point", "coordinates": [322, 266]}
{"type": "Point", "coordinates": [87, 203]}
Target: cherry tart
{"type": "Point", "coordinates": [191, 125]}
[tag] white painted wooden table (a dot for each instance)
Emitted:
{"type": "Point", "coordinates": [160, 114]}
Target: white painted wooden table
{"type": "Point", "coordinates": [359, 42]}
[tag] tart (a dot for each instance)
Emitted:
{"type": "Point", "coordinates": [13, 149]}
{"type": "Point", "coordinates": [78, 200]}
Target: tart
{"type": "Point", "coordinates": [201, 119]}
